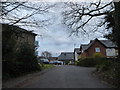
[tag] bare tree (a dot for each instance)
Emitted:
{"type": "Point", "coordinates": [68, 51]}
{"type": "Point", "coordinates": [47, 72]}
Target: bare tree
{"type": "Point", "coordinates": [80, 15]}
{"type": "Point", "coordinates": [24, 13]}
{"type": "Point", "coordinates": [46, 54]}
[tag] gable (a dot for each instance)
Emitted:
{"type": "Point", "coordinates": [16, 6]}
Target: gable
{"type": "Point", "coordinates": [96, 43]}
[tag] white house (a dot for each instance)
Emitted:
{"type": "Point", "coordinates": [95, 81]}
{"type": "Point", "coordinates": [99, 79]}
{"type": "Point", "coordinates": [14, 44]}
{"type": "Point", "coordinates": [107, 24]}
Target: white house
{"type": "Point", "coordinates": [76, 53]}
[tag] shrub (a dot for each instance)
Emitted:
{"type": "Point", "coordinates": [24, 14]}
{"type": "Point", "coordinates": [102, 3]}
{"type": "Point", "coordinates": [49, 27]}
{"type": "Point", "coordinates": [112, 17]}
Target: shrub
{"type": "Point", "coordinates": [103, 65]}
{"type": "Point", "coordinates": [97, 55]}
{"type": "Point", "coordinates": [8, 52]}
{"type": "Point", "coordinates": [87, 62]}
{"type": "Point", "coordinates": [26, 59]}
{"type": "Point", "coordinates": [76, 62]}
{"type": "Point", "coordinates": [96, 59]}
{"type": "Point", "coordinates": [111, 71]}
{"type": "Point", "coordinates": [116, 75]}
{"type": "Point", "coordinates": [24, 62]}
{"type": "Point", "coordinates": [16, 60]}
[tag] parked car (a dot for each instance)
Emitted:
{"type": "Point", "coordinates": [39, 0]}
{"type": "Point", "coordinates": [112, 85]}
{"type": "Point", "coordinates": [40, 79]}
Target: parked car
{"type": "Point", "coordinates": [56, 62]}
{"type": "Point", "coordinates": [51, 62]}
{"type": "Point", "coordinates": [45, 61]}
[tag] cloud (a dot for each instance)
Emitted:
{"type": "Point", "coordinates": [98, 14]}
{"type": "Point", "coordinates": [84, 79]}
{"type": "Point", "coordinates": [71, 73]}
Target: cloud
{"type": "Point", "coordinates": [56, 39]}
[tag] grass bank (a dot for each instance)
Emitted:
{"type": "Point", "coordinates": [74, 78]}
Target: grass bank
{"type": "Point", "coordinates": [46, 66]}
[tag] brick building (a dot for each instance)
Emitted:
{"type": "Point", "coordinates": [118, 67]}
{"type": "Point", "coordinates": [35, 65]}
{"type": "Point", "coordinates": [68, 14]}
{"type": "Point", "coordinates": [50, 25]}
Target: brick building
{"type": "Point", "coordinates": [105, 47]}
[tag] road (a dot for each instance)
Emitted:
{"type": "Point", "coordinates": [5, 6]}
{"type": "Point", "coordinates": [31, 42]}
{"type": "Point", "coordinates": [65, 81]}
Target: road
{"type": "Point", "coordinates": [66, 76]}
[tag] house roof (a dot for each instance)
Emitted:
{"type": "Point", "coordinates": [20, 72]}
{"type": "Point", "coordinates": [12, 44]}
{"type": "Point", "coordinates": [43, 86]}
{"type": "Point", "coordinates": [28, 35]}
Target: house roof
{"type": "Point", "coordinates": [84, 46]}
{"type": "Point", "coordinates": [66, 56]}
{"type": "Point", "coordinates": [77, 50]}
{"type": "Point", "coordinates": [17, 29]}
{"type": "Point", "coordinates": [53, 58]}
{"type": "Point", "coordinates": [106, 43]}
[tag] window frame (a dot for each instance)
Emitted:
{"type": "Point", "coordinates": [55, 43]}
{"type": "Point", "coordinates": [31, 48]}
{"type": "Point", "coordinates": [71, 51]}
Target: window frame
{"type": "Point", "coordinates": [97, 49]}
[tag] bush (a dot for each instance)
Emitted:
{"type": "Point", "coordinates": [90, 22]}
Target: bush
{"type": "Point", "coordinates": [97, 55]}
{"type": "Point", "coordinates": [87, 62]}
{"type": "Point", "coordinates": [76, 62]}
{"type": "Point", "coordinates": [96, 59]}
{"type": "Point", "coordinates": [8, 52]}
{"type": "Point", "coordinates": [26, 59]}
{"type": "Point", "coordinates": [110, 70]}
{"type": "Point", "coordinates": [116, 75]}
{"type": "Point", "coordinates": [16, 60]}
{"type": "Point", "coordinates": [104, 65]}
{"type": "Point", "coordinates": [24, 62]}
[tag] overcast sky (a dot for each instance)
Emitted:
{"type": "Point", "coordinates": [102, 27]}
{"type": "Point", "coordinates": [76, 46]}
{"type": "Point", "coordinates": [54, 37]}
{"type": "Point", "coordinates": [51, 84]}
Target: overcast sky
{"type": "Point", "coordinates": [55, 38]}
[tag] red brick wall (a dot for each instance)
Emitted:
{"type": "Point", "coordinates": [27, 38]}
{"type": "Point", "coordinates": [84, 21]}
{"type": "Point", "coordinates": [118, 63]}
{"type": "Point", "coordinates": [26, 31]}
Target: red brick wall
{"type": "Point", "coordinates": [84, 54]}
{"type": "Point", "coordinates": [96, 44]}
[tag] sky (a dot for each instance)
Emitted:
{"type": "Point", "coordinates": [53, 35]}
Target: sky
{"type": "Point", "coordinates": [55, 38]}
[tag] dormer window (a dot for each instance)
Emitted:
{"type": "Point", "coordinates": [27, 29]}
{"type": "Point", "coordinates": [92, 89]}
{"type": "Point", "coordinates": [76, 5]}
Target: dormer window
{"type": "Point", "coordinates": [97, 49]}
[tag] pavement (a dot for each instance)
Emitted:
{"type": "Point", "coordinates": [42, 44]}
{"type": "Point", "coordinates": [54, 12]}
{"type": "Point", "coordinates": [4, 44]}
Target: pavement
{"type": "Point", "coordinates": [61, 76]}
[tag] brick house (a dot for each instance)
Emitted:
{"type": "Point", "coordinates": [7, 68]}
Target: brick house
{"type": "Point", "coordinates": [105, 47]}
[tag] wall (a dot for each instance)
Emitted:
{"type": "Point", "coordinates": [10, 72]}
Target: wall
{"type": "Point", "coordinates": [91, 50]}
{"type": "Point", "coordinates": [26, 37]}
{"type": "Point", "coordinates": [76, 56]}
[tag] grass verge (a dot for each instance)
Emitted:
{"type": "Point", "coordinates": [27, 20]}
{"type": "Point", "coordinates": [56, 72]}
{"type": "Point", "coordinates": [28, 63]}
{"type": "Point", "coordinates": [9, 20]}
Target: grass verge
{"type": "Point", "coordinates": [46, 66]}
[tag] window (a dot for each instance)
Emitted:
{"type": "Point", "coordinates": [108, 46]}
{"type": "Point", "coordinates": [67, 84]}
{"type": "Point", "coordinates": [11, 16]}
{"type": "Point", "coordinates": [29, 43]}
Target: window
{"type": "Point", "coordinates": [97, 49]}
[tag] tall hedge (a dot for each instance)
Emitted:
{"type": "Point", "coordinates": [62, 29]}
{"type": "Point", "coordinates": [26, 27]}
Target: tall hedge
{"type": "Point", "coordinates": [16, 60]}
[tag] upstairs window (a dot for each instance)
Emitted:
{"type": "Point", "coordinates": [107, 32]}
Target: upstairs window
{"type": "Point", "coordinates": [97, 49]}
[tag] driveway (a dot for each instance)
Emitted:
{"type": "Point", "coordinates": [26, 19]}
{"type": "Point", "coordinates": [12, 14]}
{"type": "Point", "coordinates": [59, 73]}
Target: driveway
{"type": "Point", "coordinates": [66, 76]}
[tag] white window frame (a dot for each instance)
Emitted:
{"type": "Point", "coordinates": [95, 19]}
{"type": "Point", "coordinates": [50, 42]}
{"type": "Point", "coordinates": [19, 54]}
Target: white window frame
{"type": "Point", "coordinates": [97, 49]}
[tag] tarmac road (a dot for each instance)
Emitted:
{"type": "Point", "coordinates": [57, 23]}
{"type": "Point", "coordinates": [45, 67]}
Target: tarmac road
{"type": "Point", "coordinates": [66, 76]}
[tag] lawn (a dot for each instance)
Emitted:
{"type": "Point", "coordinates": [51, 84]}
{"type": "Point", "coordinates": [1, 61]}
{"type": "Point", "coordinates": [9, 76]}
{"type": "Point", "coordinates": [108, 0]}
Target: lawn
{"type": "Point", "coordinates": [46, 66]}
